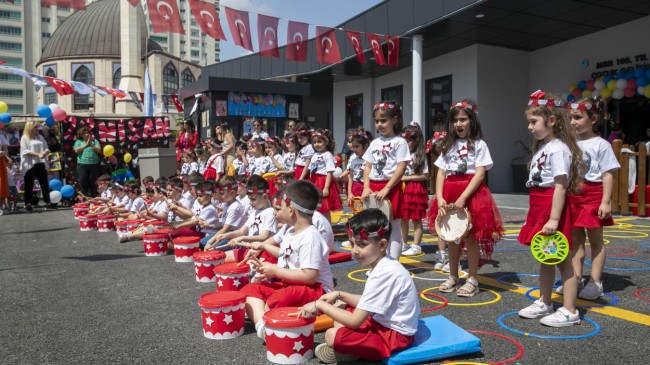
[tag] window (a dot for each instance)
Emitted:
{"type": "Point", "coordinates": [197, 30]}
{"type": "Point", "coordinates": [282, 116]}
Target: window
{"type": "Point", "coordinates": [45, 20]}
{"type": "Point", "coordinates": [170, 79]}
{"type": "Point", "coordinates": [11, 61]}
{"type": "Point", "coordinates": [50, 93]}
{"type": "Point", "coordinates": [183, 42]}
{"type": "Point", "coordinates": [10, 78]}
{"type": "Point", "coordinates": [187, 77]}
{"type": "Point", "coordinates": [116, 78]}
{"type": "Point", "coordinates": [50, 98]}
{"type": "Point", "coordinates": [63, 8]}
{"type": "Point", "coordinates": [195, 43]}
{"type": "Point", "coordinates": [11, 46]}
{"type": "Point", "coordinates": [83, 102]}
{"type": "Point", "coordinates": [353, 111]}
{"type": "Point", "coordinates": [59, 20]}
{"type": "Point", "coordinates": [193, 23]}
{"type": "Point", "coordinates": [438, 101]}
{"type": "Point", "coordinates": [158, 39]}
{"type": "Point", "coordinates": [11, 93]}
{"type": "Point", "coordinates": [195, 33]}
{"type": "Point", "coordinates": [6, 30]}
{"type": "Point", "coordinates": [192, 53]}
{"type": "Point", "coordinates": [392, 94]}
{"type": "Point", "coordinates": [11, 2]}
{"type": "Point", "coordinates": [11, 15]}
{"type": "Point", "coordinates": [15, 108]}
{"type": "Point", "coordinates": [46, 35]}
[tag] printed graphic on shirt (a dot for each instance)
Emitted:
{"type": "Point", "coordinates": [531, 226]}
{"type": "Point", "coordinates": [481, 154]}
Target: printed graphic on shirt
{"type": "Point", "coordinates": [587, 159]}
{"type": "Point", "coordinates": [381, 156]}
{"type": "Point", "coordinates": [536, 171]}
{"type": "Point", "coordinates": [316, 164]}
{"type": "Point", "coordinates": [458, 163]}
{"type": "Point", "coordinates": [254, 229]}
{"type": "Point", "coordinates": [285, 253]}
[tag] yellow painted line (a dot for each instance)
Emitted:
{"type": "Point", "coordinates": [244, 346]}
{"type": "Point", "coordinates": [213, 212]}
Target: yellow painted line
{"type": "Point", "coordinates": [619, 313]}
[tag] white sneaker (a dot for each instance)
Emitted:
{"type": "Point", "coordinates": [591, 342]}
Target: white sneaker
{"type": "Point", "coordinates": [560, 289]}
{"type": "Point", "coordinates": [445, 267]}
{"type": "Point", "coordinates": [346, 244]}
{"type": "Point", "coordinates": [123, 236]}
{"type": "Point", "coordinates": [414, 250]}
{"type": "Point", "coordinates": [593, 290]}
{"type": "Point", "coordinates": [536, 310]}
{"type": "Point", "coordinates": [259, 328]}
{"type": "Point", "coordinates": [561, 318]}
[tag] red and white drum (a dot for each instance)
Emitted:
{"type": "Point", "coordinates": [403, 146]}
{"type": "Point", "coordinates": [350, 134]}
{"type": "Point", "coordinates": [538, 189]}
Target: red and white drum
{"type": "Point", "coordinates": [80, 210]}
{"type": "Point", "coordinates": [231, 276]}
{"type": "Point", "coordinates": [132, 225]}
{"type": "Point", "coordinates": [88, 222]}
{"type": "Point", "coordinates": [289, 337]}
{"type": "Point", "coordinates": [222, 315]}
{"type": "Point", "coordinates": [106, 223]}
{"type": "Point", "coordinates": [167, 231]}
{"type": "Point", "coordinates": [185, 247]}
{"type": "Point", "coordinates": [204, 264]}
{"type": "Point", "coordinates": [155, 226]}
{"type": "Point", "coordinates": [121, 226]}
{"type": "Point", "coordinates": [155, 244]}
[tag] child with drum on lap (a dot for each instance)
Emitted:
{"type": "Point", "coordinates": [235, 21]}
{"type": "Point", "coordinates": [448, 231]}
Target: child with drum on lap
{"type": "Point", "coordinates": [385, 162]}
{"type": "Point", "coordinates": [385, 315]}
{"type": "Point", "coordinates": [233, 215]}
{"type": "Point", "coordinates": [321, 171]}
{"type": "Point", "coordinates": [556, 169]}
{"type": "Point", "coordinates": [464, 159]}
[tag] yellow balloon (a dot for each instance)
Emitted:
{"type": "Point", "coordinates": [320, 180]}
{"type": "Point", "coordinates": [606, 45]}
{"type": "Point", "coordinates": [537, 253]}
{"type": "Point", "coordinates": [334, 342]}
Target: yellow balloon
{"type": "Point", "coordinates": [127, 157]}
{"type": "Point", "coordinates": [611, 84]}
{"type": "Point", "coordinates": [573, 86]}
{"type": "Point", "coordinates": [605, 92]}
{"type": "Point", "coordinates": [109, 150]}
{"type": "Point", "coordinates": [586, 93]}
{"type": "Point", "coordinates": [3, 107]}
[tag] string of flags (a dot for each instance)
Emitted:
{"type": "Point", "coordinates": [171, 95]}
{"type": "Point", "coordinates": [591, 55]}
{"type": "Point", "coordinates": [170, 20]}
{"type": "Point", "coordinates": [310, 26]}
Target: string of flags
{"type": "Point", "coordinates": [165, 17]}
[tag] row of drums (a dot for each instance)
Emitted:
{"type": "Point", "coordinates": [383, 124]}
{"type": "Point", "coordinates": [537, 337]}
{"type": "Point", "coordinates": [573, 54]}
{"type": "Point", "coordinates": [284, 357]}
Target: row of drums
{"type": "Point", "coordinates": [289, 338]}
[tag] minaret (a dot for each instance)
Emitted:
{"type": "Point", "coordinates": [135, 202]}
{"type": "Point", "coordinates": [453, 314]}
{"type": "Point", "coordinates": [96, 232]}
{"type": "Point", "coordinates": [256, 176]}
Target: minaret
{"type": "Point", "coordinates": [130, 48]}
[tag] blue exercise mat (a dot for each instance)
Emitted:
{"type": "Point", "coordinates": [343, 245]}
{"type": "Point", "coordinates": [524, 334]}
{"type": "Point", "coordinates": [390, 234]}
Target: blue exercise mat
{"type": "Point", "coordinates": [436, 338]}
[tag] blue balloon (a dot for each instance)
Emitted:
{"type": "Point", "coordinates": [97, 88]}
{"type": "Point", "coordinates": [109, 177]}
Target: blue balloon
{"type": "Point", "coordinates": [67, 191]}
{"type": "Point", "coordinates": [5, 118]}
{"type": "Point", "coordinates": [647, 74]}
{"type": "Point", "coordinates": [620, 75]}
{"type": "Point", "coordinates": [56, 184]}
{"type": "Point", "coordinates": [49, 121]}
{"type": "Point", "coordinates": [639, 72]}
{"type": "Point", "coordinates": [570, 98]}
{"type": "Point", "coordinates": [130, 176]}
{"type": "Point", "coordinates": [582, 85]}
{"type": "Point", "coordinates": [607, 78]}
{"type": "Point", "coordinates": [43, 111]}
{"type": "Point", "coordinates": [629, 75]}
{"type": "Point", "coordinates": [641, 81]}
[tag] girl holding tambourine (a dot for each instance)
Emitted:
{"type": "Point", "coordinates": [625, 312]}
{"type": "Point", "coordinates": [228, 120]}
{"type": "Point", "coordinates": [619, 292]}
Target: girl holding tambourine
{"type": "Point", "coordinates": [555, 170]}
{"type": "Point", "coordinates": [464, 159]}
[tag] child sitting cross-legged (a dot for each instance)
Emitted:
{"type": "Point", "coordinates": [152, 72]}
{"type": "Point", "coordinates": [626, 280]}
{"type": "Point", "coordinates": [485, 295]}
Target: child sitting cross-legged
{"type": "Point", "coordinates": [206, 220]}
{"type": "Point", "coordinates": [158, 211]}
{"type": "Point", "coordinates": [302, 273]}
{"type": "Point", "coordinates": [233, 215]}
{"type": "Point", "coordinates": [385, 315]}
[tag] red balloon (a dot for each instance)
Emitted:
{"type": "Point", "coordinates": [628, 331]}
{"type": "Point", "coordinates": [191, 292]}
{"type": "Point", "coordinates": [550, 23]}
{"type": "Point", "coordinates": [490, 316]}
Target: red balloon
{"type": "Point", "coordinates": [629, 92]}
{"type": "Point", "coordinates": [577, 93]}
{"type": "Point", "coordinates": [631, 84]}
{"type": "Point", "coordinates": [113, 160]}
{"type": "Point", "coordinates": [59, 115]}
{"type": "Point", "coordinates": [591, 84]}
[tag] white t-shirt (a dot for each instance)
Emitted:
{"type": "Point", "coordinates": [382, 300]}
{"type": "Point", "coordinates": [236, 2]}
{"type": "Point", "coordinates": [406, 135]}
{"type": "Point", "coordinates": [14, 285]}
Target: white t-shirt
{"type": "Point", "coordinates": [210, 216]}
{"type": "Point", "coordinates": [391, 296]}
{"type": "Point", "coordinates": [246, 203]}
{"type": "Point", "coordinates": [307, 250]}
{"type": "Point", "coordinates": [36, 145]}
{"type": "Point", "coordinates": [203, 165]}
{"type": "Point", "coordinates": [234, 215]}
{"type": "Point", "coordinates": [238, 166]}
{"type": "Point", "coordinates": [321, 223]}
{"type": "Point", "coordinates": [384, 154]}
{"type": "Point", "coordinates": [599, 158]}
{"type": "Point", "coordinates": [136, 205]}
{"type": "Point", "coordinates": [172, 217]}
{"type": "Point", "coordinates": [460, 160]}
{"type": "Point", "coordinates": [261, 135]}
{"type": "Point", "coordinates": [187, 195]}
{"type": "Point", "coordinates": [321, 163]}
{"type": "Point", "coordinates": [189, 167]}
{"type": "Point", "coordinates": [196, 207]}
{"type": "Point", "coordinates": [106, 194]}
{"type": "Point", "coordinates": [121, 202]}
{"type": "Point", "coordinates": [551, 160]}
{"type": "Point", "coordinates": [289, 160]}
{"type": "Point", "coordinates": [261, 220]}
{"type": "Point", "coordinates": [216, 161]}
{"type": "Point", "coordinates": [409, 168]}
{"type": "Point", "coordinates": [260, 165]}
{"type": "Point", "coordinates": [355, 167]}
{"type": "Point", "coordinates": [161, 207]}
{"type": "Point", "coordinates": [304, 154]}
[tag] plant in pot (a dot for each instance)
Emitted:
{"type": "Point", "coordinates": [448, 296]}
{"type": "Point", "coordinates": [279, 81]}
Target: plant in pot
{"type": "Point", "coordinates": [520, 167]}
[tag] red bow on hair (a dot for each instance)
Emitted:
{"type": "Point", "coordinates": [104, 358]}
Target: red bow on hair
{"type": "Point", "coordinates": [429, 146]}
{"type": "Point", "coordinates": [303, 131]}
{"type": "Point", "coordinates": [463, 105]}
{"type": "Point", "coordinates": [323, 133]}
{"type": "Point", "coordinates": [385, 105]}
{"type": "Point", "coordinates": [409, 135]}
{"type": "Point", "coordinates": [537, 99]}
{"type": "Point", "coordinates": [363, 233]}
{"type": "Point", "coordinates": [439, 135]}
{"type": "Point", "coordinates": [271, 140]}
{"type": "Point", "coordinates": [539, 94]}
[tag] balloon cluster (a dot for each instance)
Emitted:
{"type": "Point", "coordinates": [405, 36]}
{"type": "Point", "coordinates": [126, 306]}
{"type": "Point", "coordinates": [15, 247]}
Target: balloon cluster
{"type": "Point", "coordinates": [51, 113]}
{"type": "Point", "coordinates": [5, 118]}
{"type": "Point", "coordinates": [59, 191]}
{"type": "Point", "coordinates": [623, 84]}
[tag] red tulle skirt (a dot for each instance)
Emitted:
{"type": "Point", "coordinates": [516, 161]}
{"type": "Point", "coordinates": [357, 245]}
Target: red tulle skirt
{"type": "Point", "coordinates": [415, 200]}
{"type": "Point", "coordinates": [395, 196]}
{"type": "Point", "coordinates": [298, 171]}
{"type": "Point", "coordinates": [584, 207]}
{"type": "Point", "coordinates": [210, 173]}
{"type": "Point", "coordinates": [487, 227]}
{"type": "Point", "coordinates": [333, 200]}
{"type": "Point", "coordinates": [540, 202]}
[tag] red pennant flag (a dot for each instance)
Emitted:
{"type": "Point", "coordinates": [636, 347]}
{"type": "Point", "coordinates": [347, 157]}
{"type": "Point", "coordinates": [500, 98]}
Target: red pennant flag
{"type": "Point", "coordinates": [61, 87]}
{"type": "Point", "coordinates": [134, 2]}
{"type": "Point", "coordinates": [179, 106]}
{"type": "Point", "coordinates": [355, 40]}
{"type": "Point", "coordinates": [72, 4]}
{"type": "Point", "coordinates": [377, 50]}
{"type": "Point", "coordinates": [297, 45]}
{"type": "Point", "coordinates": [206, 16]}
{"type": "Point", "coordinates": [393, 50]}
{"type": "Point", "coordinates": [115, 92]}
{"type": "Point", "coordinates": [2, 61]}
{"type": "Point", "coordinates": [327, 48]}
{"type": "Point", "coordinates": [164, 16]}
{"type": "Point", "coordinates": [239, 27]}
{"type": "Point", "coordinates": [267, 35]}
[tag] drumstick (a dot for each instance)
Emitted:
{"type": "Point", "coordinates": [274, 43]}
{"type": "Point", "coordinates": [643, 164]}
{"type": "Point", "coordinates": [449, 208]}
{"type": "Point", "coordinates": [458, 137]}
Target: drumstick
{"type": "Point", "coordinates": [294, 314]}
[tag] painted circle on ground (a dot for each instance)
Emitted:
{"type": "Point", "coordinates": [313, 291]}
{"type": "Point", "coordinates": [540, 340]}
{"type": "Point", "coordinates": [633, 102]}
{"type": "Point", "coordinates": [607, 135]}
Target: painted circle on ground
{"type": "Point", "coordinates": [638, 295]}
{"type": "Point", "coordinates": [630, 252]}
{"type": "Point", "coordinates": [614, 299]}
{"type": "Point", "coordinates": [440, 306]}
{"type": "Point", "coordinates": [634, 234]}
{"type": "Point", "coordinates": [497, 297]}
{"type": "Point", "coordinates": [588, 263]}
{"type": "Point", "coordinates": [529, 334]}
{"type": "Point", "coordinates": [351, 275]}
{"type": "Point", "coordinates": [520, 348]}
{"type": "Point", "coordinates": [462, 274]}
{"type": "Point", "coordinates": [645, 244]}
{"type": "Point", "coordinates": [521, 249]}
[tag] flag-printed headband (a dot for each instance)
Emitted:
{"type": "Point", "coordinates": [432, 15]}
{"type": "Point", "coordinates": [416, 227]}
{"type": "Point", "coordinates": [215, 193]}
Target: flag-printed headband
{"type": "Point", "coordinates": [583, 107]}
{"type": "Point", "coordinates": [463, 105]}
{"type": "Point", "coordinates": [363, 233]}
{"type": "Point", "coordinates": [174, 187]}
{"type": "Point", "coordinates": [361, 134]}
{"type": "Point", "coordinates": [537, 99]}
{"type": "Point", "coordinates": [257, 191]}
{"type": "Point", "coordinates": [203, 192]}
{"type": "Point", "coordinates": [278, 201]}
{"type": "Point", "coordinates": [385, 105]}
{"type": "Point", "coordinates": [303, 132]}
{"type": "Point", "coordinates": [229, 187]}
{"type": "Point", "coordinates": [410, 135]}
{"type": "Point", "coordinates": [323, 133]}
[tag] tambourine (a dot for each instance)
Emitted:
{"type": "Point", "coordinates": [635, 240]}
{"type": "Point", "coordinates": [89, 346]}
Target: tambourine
{"type": "Point", "coordinates": [269, 175]}
{"type": "Point", "coordinates": [356, 205]}
{"type": "Point", "coordinates": [384, 205]}
{"type": "Point", "coordinates": [454, 225]}
{"type": "Point", "coordinates": [549, 249]}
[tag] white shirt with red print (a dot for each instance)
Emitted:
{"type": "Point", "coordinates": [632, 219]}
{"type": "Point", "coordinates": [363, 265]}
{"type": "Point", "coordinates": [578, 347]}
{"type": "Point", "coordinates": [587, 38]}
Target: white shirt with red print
{"type": "Point", "coordinates": [384, 154]}
{"type": "Point", "coordinates": [551, 160]}
{"type": "Point", "coordinates": [461, 160]}
{"type": "Point", "coordinates": [599, 158]}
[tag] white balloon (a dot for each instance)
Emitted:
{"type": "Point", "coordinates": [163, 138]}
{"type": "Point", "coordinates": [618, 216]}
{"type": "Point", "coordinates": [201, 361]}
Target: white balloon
{"type": "Point", "coordinates": [595, 93]}
{"type": "Point", "coordinates": [337, 172]}
{"type": "Point", "coordinates": [55, 196]}
{"type": "Point", "coordinates": [621, 84]}
{"type": "Point", "coordinates": [640, 89]}
{"type": "Point", "coordinates": [54, 107]}
{"type": "Point", "coordinates": [599, 84]}
{"type": "Point", "coordinates": [618, 94]}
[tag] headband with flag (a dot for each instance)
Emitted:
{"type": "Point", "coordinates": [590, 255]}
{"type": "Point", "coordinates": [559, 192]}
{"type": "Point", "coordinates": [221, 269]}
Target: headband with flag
{"type": "Point", "coordinates": [538, 99]}
{"type": "Point", "coordinates": [364, 234]}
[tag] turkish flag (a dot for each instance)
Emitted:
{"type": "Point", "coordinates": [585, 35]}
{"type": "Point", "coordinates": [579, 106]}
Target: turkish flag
{"type": "Point", "coordinates": [115, 92]}
{"type": "Point", "coordinates": [377, 50]}
{"type": "Point", "coordinates": [61, 87]}
{"type": "Point", "coordinates": [165, 16]}
{"type": "Point", "coordinates": [297, 45]}
{"type": "Point", "coordinates": [72, 4]}
{"type": "Point", "coordinates": [393, 50]}
{"type": "Point", "coordinates": [327, 48]}
{"type": "Point", "coordinates": [355, 40]}
{"type": "Point", "coordinates": [178, 105]}
{"type": "Point", "coordinates": [206, 16]}
{"type": "Point", "coordinates": [239, 27]}
{"type": "Point", "coordinates": [267, 35]}
{"type": "Point", "coordinates": [134, 2]}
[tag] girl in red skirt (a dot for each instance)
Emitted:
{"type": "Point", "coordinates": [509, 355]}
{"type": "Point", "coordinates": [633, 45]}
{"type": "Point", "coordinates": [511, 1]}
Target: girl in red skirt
{"type": "Point", "coordinates": [464, 159]}
{"type": "Point", "coordinates": [416, 194]}
{"type": "Point", "coordinates": [591, 209]}
{"type": "Point", "coordinates": [321, 169]}
{"type": "Point", "coordinates": [274, 162]}
{"type": "Point", "coordinates": [215, 166]}
{"type": "Point", "coordinates": [359, 142]}
{"type": "Point", "coordinates": [555, 171]}
{"type": "Point", "coordinates": [386, 160]}
{"type": "Point", "coordinates": [305, 152]}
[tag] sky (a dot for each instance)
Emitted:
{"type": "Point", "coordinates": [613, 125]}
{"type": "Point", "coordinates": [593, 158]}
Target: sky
{"type": "Point", "coordinates": [314, 12]}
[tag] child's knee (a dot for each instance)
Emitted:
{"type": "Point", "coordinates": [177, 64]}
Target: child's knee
{"type": "Point", "coordinates": [330, 336]}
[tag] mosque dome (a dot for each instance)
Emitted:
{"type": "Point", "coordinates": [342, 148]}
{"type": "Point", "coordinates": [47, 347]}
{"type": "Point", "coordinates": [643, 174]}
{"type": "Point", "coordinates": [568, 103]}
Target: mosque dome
{"type": "Point", "coordinates": [93, 33]}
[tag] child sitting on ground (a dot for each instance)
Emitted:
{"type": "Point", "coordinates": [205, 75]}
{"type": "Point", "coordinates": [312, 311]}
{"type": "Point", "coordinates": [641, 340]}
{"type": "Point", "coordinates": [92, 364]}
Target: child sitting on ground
{"type": "Point", "coordinates": [206, 219]}
{"type": "Point", "coordinates": [385, 316]}
{"type": "Point", "coordinates": [233, 215]}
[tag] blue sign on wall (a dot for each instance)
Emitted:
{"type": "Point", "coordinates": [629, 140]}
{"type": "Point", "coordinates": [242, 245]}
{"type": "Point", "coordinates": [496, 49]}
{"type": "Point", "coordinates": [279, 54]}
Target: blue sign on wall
{"type": "Point", "coordinates": [256, 105]}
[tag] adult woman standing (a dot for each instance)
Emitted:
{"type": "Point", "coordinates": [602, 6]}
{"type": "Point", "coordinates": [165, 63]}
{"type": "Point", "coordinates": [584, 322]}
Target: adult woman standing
{"type": "Point", "coordinates": [186, 141]}
{"type": "Point", "coordinates": [4, 185]}
{"type": "Point", "coordinates": [33, 154]}
{"type": "Point", "coordinates": [88, 170]}
{"type": "Point", "coordinates": [223, 133]}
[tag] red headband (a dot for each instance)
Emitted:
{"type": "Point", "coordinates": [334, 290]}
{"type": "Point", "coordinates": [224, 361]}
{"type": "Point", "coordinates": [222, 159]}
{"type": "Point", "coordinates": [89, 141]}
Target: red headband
{"type": "Point", "coordinates": [537, 99]}
{"type": "Point", "coordinates": [385, 105]}
{"type": "Point", "coordinates": [321, 134]}
{"type": "Point", "coordinates": [583, 107]}
{"type": "Point", "coordinates": [410, 135]}
{"type": "Point", "coordinates": [228, 187]}
{"type": "Point", "coordinates": [363, 233]}
{"type": "Point", "coordinates": [257, 191]}
{"type": "Point", "coordinates": [361, 134]}
{"type": "Point", "coordinates": [463, 105]}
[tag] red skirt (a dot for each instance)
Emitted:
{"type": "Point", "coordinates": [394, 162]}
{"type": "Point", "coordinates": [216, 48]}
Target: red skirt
{"type": "Point", "coordinates": [210, 173]}
{"type": "Point", "coordinates": [357, 188]}
{"type": "Point", "coordinates": [333, 201]}
{"type": "Point", "coordinates": [487, 227]}
{"type": "Point", "coordinates": [395, 196]}
{"type": "Point", "coordinates": [371, 341]}
{"type": "Point", "coordinates": [298, 171]}
{"type": "Point", "coordinates": [415, 200]}
{"type": "Point", "coordinates": [539, 212]}
{"type": "Point", "coordinates": [584, 207]}
{"type": "Point", "coordinates": [272, 188]}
